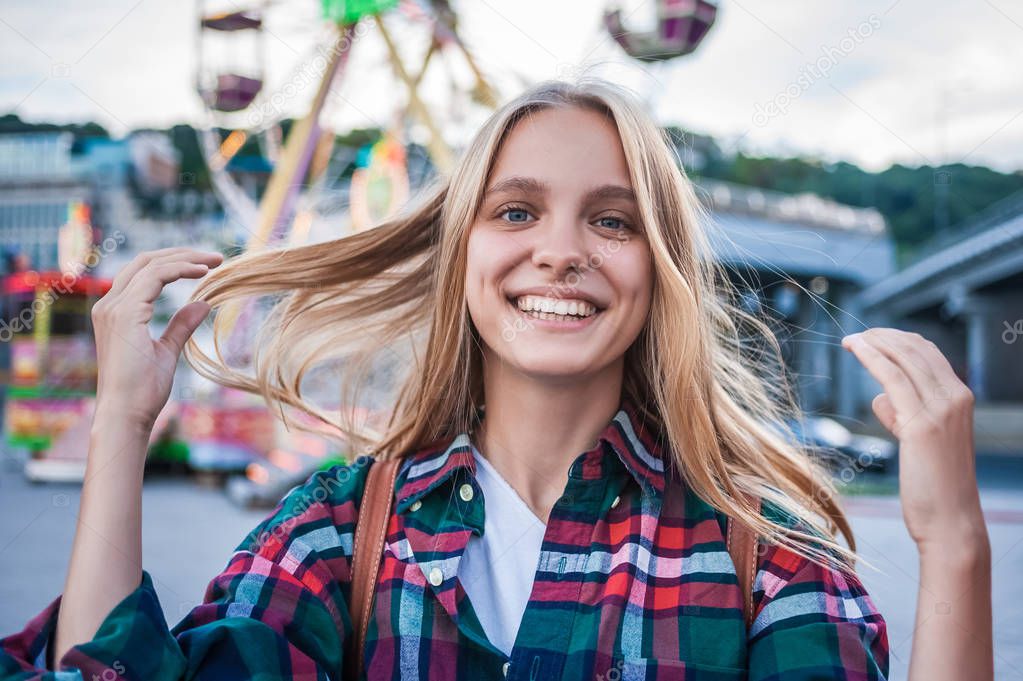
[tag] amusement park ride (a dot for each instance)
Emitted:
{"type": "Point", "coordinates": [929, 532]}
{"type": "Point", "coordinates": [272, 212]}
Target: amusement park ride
{"type": "Point", "coordinates": [681, 27]}
{"type": "Point", "coordinates": [316, 181]}
{"type": "Point", "coordinates": [240, 114]}
{"type": "Point", "coordinates": [310, 168]}
{"type": "Point", "coordinates": [51, 381]}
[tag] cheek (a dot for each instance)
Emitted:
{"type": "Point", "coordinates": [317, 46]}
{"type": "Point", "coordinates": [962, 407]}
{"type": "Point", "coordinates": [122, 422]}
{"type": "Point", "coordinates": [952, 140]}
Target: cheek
{"type": "Point", "coordinates": [489, 259]}
{"type": "Point", "coordinates": [633, 274]}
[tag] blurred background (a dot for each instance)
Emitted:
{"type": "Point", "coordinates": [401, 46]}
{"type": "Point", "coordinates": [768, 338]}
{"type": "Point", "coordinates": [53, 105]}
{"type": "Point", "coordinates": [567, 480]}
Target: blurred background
{"type": "Point", "coordinates": [861, 162]}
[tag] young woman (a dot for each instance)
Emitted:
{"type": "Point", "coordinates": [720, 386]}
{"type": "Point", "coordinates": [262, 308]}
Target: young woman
{"type": "Point", "coordinates": [577, 420]}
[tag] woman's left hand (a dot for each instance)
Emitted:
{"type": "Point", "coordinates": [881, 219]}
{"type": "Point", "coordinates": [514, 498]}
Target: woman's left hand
{"type": "Point", "coordinates": [930, 411]}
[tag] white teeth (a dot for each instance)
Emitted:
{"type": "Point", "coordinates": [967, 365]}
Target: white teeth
{"type": "Point", "coordinates": [548, 308]}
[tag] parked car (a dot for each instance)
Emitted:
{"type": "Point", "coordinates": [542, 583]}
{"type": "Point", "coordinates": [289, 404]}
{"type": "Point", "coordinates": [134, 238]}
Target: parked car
{"type": "Point", "coordinates": [840, 448]}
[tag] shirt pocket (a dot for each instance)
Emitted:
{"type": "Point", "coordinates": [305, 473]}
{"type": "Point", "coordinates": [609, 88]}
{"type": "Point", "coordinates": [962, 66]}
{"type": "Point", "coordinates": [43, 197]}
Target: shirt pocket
{"type": "Point", "coordinates": [658, 669]}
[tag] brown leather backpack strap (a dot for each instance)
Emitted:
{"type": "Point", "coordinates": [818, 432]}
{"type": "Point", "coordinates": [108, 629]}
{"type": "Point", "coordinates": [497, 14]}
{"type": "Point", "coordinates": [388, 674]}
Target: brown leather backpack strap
{"type": "Point", "coordinates": [742, 546]}
{"type": "Point", "coordinates": [368, 548]}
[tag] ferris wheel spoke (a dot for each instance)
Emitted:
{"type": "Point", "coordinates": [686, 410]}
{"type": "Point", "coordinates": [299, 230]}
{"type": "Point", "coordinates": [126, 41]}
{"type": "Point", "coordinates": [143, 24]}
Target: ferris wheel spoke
{"type": "Point", "coordinates": [243, 137]}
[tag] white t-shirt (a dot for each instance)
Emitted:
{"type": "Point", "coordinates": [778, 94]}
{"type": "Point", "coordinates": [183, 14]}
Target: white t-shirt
{"type": "Point", "coordinates": [497, 569]}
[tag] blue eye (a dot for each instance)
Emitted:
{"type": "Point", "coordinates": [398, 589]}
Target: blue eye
{"type": "Point", "coordinates": [523, 216]}
{"type": "Point", "coordinates": [621, 223]}
{"type": "Point", "coordinates": [520, 211]}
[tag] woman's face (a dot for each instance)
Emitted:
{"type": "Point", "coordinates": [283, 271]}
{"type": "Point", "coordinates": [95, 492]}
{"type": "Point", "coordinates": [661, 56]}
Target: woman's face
{"type": "Point", "coordinates": [559, 196]}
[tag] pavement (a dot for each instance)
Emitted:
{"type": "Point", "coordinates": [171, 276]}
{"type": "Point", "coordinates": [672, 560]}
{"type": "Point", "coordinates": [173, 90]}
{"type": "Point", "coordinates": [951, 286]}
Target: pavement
{"type": "Point", "coordinates": [883, 541]}
{"type": "Point", "coordinates": [183, 549]}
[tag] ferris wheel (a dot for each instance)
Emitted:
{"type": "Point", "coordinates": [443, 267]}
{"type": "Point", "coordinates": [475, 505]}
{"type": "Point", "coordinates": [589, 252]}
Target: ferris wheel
{"type": "Point", "coordinates": [680, 27]}
{"type": "Point", "coordinates": [274, 75]}
{"type": "Point", "coordinates": [255, 143]}
{"type": "Point", "coordinates": [657, 38]}
{"type": "Point", "coordinates": [280, 169]}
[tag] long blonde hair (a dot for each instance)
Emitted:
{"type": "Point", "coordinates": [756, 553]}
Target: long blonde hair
{"type": "Point", "coordinates": [388, 305]}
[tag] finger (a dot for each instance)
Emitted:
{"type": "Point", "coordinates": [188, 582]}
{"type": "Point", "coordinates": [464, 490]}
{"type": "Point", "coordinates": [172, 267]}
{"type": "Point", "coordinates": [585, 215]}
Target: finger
{"type": "Point", "coordinates": [183, 324]}
{"type": "Point", "coordinates": [893, 380]}
{"type": "Point", "coordinates": [944, 374]}
{"type": "Point", "coordinates": [900, 348]}
{"type": "Point", "coordinates": [128, 272]}
{"type": "Point", "coordinates": [884, 411]}
{"type": "Point", "coordinates": [209, 258]}
{"type": "Point", "coordinates": [150, 281]}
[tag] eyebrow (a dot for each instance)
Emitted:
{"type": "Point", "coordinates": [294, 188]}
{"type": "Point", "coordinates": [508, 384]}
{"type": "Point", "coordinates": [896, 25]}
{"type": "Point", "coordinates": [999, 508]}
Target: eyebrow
{"type": "Point", "coordinates": [529, 185]}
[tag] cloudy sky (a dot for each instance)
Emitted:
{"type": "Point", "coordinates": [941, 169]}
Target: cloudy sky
{"type": "Point", "coordinates": [909, 81]}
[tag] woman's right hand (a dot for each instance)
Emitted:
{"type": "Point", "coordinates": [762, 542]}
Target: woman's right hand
{"type": "Point", "coordinates": [136, 372]}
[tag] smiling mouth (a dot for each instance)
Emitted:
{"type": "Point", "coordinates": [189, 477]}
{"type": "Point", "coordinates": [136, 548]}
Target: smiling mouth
{"type": "Point", "coordinates": [554, 309]}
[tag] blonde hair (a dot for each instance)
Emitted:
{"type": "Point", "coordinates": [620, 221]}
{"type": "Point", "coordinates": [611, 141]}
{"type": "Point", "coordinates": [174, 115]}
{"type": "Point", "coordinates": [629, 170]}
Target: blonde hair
{"type": "Point", "coordinates": [371, 301]}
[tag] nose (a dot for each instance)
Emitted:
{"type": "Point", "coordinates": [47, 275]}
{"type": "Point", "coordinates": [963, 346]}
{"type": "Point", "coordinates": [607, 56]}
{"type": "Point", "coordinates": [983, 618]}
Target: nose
{"type": "Point", "coordinates": [560, 247]}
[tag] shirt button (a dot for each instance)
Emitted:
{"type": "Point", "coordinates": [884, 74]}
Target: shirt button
{"type": "Point", "coordinates": [504, 668]}
{"type": "Point", "coordinates": [614, 504]}
{"type": "Point", "coordinates": [436, 577]}
{"type": "Point", "coordinates": [416, 505]}
{"type": "Point", "coordinates": [465, 491]}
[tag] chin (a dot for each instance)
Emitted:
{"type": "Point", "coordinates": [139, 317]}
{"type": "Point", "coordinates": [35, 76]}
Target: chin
{"type": "Point", "coordinates": [557, 366]}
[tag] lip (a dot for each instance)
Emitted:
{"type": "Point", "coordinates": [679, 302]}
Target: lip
{"type": "Point", "coordinates": [553, 324]}
{"type": "Point", "coordinates": [547, 292]}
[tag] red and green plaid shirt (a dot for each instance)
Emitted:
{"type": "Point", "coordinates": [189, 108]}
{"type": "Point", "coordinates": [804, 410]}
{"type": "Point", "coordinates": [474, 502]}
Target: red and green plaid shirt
{"type": "Point", "coordinates": [633, 582]}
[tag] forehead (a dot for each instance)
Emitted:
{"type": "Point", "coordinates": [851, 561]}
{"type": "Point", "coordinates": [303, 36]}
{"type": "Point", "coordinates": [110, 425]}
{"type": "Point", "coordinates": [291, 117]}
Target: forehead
{"type": "Point", "coordinates": [563, 147]}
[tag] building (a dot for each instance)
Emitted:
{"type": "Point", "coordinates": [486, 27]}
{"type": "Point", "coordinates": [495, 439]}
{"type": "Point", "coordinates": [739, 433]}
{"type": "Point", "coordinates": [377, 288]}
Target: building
{"type": "Point", "coordinates": [38, 184]}
{"type": "Point", "coordinates": [802, 261]}
{"type": "Point", "coordinates": [43, 174]}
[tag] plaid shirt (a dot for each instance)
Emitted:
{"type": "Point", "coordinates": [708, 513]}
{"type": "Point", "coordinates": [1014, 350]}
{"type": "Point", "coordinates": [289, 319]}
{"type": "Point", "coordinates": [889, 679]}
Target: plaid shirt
{"type": "Point", "coordinates": [633, 582]}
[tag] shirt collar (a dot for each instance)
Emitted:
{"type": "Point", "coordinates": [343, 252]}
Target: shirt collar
{"type": "Point", "coordinates": [627, 435]}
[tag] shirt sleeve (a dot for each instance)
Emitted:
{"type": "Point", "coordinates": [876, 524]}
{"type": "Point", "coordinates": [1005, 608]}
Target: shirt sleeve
{"type": "Point", "coordinates": [813, 622]}
{"type": "Point", "coordinates": [278, 610]}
